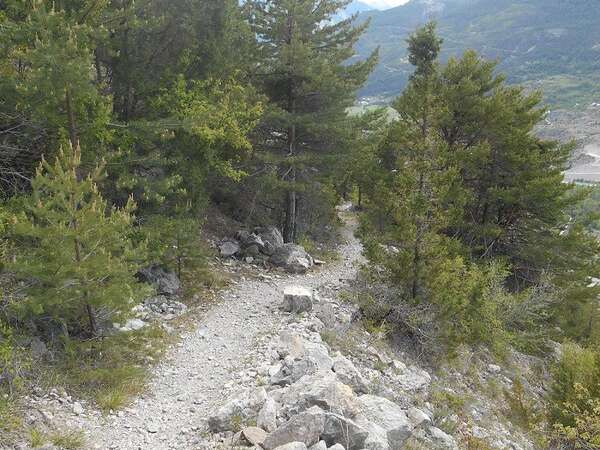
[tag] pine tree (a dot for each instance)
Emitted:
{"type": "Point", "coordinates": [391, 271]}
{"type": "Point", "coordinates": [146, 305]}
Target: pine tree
{"type": "Point", "coordinates": [303, 70]}
{"type": "Point", "coordinates": [421, 192]}
{"type": "Point", "coordinates": [76, 249]}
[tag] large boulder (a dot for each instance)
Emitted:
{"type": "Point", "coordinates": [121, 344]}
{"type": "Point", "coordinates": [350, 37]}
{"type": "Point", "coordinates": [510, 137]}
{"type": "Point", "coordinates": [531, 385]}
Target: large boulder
{"type": "Point", "coordinates": [348, 374]}
{"type": "Point", "coordinates": [293, 258]}
{"type": "Point", "coordinates": [267, 416]}
{"type": "Point", "coordinates": [254, 435]}
{"type": "Point", "coordinates": [305, 427]}
{"type": "Point", "coordinates": [388, 416]}
{"type": "Point", "coordinates": [377, 438]}
{"type": "Point", "coordinates": [271, 237]}
{"type": "Point", "coordinates": [301, 358]}
{"type": "Point", "coordinates": [297, 299]}
{"type": "Point", "coordinates": [413, 379]}
{"type": "Point", "coordinates": [321, 389]}
{"type": "Point", "coordinates": [244, 408]}
{"type": "Point", "coordinates": [165, 281]}
{"type": "Point", "coordinates": [340, 429]}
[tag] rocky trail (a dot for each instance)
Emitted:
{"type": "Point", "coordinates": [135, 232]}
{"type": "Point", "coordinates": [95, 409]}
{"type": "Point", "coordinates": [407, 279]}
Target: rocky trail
{"type": "Point", "coordinates": [280, 363]}
{"type": "Point", "coordinates": [209, 365]}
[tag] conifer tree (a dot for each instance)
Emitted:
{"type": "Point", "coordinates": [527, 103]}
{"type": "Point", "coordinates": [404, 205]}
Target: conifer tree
{"type": "Point", "coordinates": [76, 248]}
{"type": "Point", "coordinates": [303, 70]}
{"type": "Point", "coordinates": [421, 192]}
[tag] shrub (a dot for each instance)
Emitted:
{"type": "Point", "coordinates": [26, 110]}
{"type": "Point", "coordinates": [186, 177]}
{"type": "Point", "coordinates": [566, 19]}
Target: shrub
{"type": "Point", "coordinates": [584, 433]}
{"type": "Point", "coordinates": [74, 250]}
{"type": "Point", "coordinates": [577, 372]}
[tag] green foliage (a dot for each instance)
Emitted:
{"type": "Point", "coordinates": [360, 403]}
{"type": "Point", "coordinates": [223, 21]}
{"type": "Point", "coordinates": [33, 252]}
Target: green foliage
{"type": "Point", "coordinates": [521, 410]}
{"type": "Point", "coordinates": [76, 248]}
{"type": "Point", "coordinates": [45, 59]}
{"type": "Point", "coordinates": [470, 300]}
{"type": "Point", "coordinates": [584, 433]}
{"type": "Point", "coordinates": [109, 371]}
{"type": "Point", "coordinates": [466, 207]}
{"type": "Point", "coordinates": [175, 242]}
{"type": "Point", "coordinates": [304, 72]}
{"type": "Point", "coordinates": [577, 371]}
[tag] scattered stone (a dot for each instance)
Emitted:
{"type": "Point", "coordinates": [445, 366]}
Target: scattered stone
{"type": "Point", "coordinates": [321, 445]}
{"type": "Point", "coordinates": [267, 417]}
{"type": "Point", "coordinates": [388, 416]}
{"type": "Point", "coordinates": [417, 417]}
{"type": "Point", "coordinates": [229, 248]}
{"type": "Point", "coordinates": [293, 446]}
{"type": "Point", "coordinates": [77, 409]}
{"type": "Point", "coordinates": [297, 299]}
{"type": "Point", "coordinates": [133, 325]}
{"type": "Point", "coordinates": [495, 369]}
{"type": "Point", "coordinates": [337, 447]}
{"type": "Point", "coordinates": [305, 427]}
{"type": "Point", "coordinates": [323, 390]}
{"type": "Point", "coordinates": [348, 374]}
{"type": "Point", "coordinates": [341, 429]}
{"type": "Point", "coordinates": [254, 435]}
{"type": "Point", "coordinates": [442, 440]}
{"type": "Point", "coordinates": [242, 408]}
{"type": "Point", "coordinates": [271, 237]}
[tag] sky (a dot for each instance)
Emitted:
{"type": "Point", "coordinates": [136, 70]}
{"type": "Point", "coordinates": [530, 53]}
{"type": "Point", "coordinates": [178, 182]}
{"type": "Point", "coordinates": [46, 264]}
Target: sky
{"type": "Point", "coordinates": [382, 4]}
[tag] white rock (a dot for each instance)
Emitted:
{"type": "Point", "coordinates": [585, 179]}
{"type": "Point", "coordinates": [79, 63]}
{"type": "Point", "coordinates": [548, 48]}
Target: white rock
{"type": "Point", "coordinates": [267, 417]}
{"type": "Point", "coordinates": [493, 368]}
{"type": "Point", "coordinates": [297, 299]}
{"type": "Point", "coordinates": [417, 417]}
{"type": "Point", "coordinates": [133, 325]}
{"type": "Point", "coordinates": [247, 406]}
{"type": "Point", "coordinates": [293, 446]}
{"type": "Point", "coordinates": [348, 374]}
{"type": "Point", "coordinates": [388, 416]}
{"type": "Point", "coordinates": [77, 408]}
{"type": "Point", "coordinates": [305, 427]}
{"type": "Point", "coordinates": [441, 439]}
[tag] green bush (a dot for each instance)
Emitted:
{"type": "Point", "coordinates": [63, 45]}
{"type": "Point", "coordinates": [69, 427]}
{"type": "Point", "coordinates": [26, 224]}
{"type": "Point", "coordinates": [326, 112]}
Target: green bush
{"type": "Point", "coordinates": [469, 299]}
{"type": "Point", "coordinates": [584, 433]}
{"type": "Point", "coordinates": [74, 250]}
{"type": "Point", "coordinates": [577, 371]}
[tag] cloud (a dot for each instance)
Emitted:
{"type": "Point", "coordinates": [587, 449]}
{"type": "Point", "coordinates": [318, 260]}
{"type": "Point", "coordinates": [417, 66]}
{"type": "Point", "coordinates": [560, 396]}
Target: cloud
{"type": "Point", "coordinates": [383, 4]}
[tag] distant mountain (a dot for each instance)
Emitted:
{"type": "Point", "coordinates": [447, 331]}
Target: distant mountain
{"type": "Point", "coordinates": [353, 8]}
{"type": "Point", "coordinates": [551, 44]}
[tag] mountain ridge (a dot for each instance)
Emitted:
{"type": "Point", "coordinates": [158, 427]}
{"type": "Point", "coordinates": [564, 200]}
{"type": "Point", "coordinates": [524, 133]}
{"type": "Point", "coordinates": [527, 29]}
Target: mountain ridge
{"type": "Point", "coordinates": [533, 40]}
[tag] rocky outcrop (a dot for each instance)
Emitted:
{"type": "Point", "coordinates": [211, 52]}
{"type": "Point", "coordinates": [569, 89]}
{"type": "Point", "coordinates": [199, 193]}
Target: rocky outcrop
{"type": "Point", "coordinates": [314, 401]}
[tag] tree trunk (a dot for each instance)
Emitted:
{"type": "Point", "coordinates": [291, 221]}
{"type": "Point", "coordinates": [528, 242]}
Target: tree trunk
{"type": "Point", "coordinates": [289, 233]}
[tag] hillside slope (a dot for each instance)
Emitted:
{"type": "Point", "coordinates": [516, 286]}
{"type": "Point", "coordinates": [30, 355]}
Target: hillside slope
{"type": "Point", "coordinates": [552, 44]}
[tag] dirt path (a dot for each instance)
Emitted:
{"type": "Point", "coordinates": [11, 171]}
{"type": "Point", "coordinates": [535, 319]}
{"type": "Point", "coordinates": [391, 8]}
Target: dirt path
{"type": "Point", "coordinates": [209, 364]}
